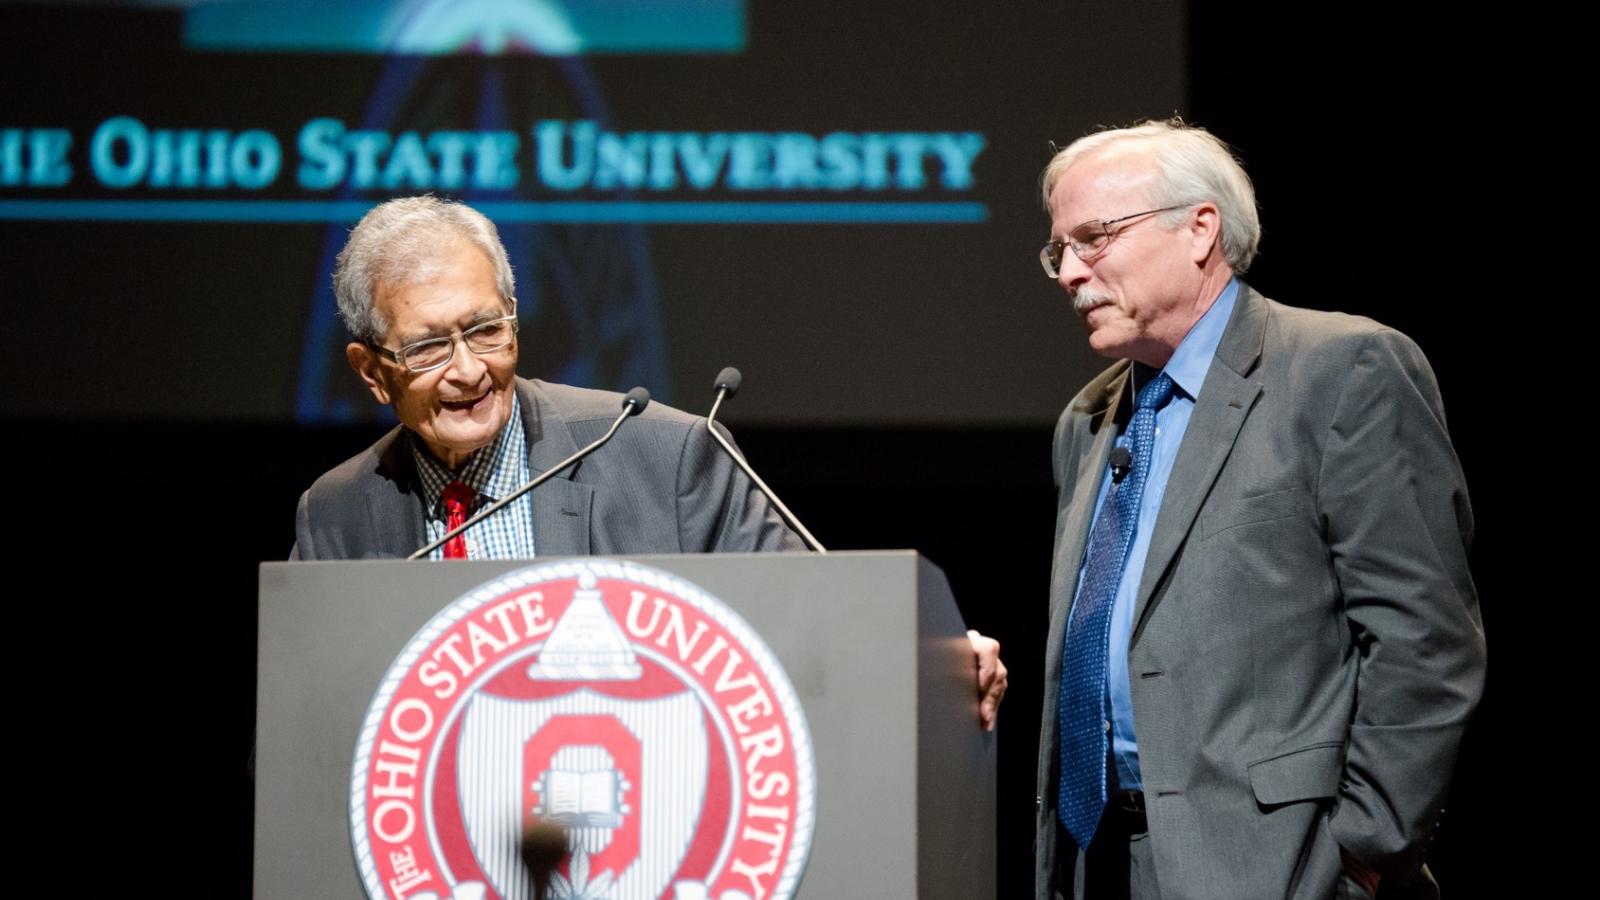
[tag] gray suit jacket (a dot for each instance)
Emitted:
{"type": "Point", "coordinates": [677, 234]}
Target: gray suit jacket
{"type": "Point", "coordinates": [661, 485]}
{"type": "Point", "coordinates": [1307, 647]}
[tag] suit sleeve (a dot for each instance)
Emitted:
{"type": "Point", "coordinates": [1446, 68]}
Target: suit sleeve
{"type": "Point", "coordinates": [719, 510]}
{"type": "Point", "coordinates": [1399, 526]}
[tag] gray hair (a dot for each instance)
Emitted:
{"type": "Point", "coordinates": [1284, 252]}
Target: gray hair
{"type": "Point", "coordinates": [402, 242]}
{"type": "Point", "coordinates": [1193, 166]}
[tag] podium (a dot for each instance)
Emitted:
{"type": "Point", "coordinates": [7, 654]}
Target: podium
{"type": "Point", "coordinates": [871, 641]}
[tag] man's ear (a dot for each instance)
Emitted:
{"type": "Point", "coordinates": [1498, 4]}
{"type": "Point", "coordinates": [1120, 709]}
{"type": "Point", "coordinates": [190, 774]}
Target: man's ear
{"type": "Point", "coordinates": [370, 367]}
{"type": "Point", "coordinates": [1206, 229]}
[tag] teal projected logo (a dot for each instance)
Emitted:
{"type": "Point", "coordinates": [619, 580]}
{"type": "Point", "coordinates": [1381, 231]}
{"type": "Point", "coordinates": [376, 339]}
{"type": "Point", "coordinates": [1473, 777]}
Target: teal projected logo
{"type": "Point", "coordinates": [431, 27]}
{"type": "Point", "coordinates": [526, 136]}
{"type": "Point", "coordinates": [562, 171]}
{"type": "Point", "coordinates": [564, 165]}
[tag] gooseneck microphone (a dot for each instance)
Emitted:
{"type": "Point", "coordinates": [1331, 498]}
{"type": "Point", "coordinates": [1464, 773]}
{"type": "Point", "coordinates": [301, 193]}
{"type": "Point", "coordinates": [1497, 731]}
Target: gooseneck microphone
{"type": "Point", "coordinates": [632, 404]}
{"type": "Point", "coordinates": [726, 386]}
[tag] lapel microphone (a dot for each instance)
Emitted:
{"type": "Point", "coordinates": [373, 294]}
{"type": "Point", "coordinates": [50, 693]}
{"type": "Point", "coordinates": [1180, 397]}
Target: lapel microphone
{"type": "Point", "coordinates": [1121, 463]}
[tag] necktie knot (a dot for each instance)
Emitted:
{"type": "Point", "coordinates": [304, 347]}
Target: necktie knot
{"type": "Point", "coordinates": [457, 497]}
{"type": "Point", "coordinates": [1156, 392]}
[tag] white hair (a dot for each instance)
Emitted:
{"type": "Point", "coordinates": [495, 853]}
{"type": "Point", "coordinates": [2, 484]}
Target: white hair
{"type": "Point", "coordinates": [404, 241]}
{"type": "Point", "coordinates": [1192, 166]}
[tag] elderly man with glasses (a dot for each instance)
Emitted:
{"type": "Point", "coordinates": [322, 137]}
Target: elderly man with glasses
{"type": "Point", "coordinates": [1264, 641]}
{"type": "Point", "coordinates": [427, 294]}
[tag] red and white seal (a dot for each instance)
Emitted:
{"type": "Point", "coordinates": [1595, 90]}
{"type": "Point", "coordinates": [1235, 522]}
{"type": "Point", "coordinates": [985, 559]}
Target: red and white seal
{"type": "Point", "coordinates": [630, 707]}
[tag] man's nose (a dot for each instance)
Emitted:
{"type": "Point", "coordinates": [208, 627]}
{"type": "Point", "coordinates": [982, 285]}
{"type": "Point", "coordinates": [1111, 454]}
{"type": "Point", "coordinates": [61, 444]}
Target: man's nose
{"type": "Point", "coordinates": [465, 366]}
{"type": "Point", "coordinates": [1072, 273]}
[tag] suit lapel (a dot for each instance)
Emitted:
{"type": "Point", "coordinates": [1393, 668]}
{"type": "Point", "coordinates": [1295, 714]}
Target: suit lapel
{"type": "Point", "coordinates": [1231, 389]}
{"type": "Point", "coordinates": [396, 520]}
{"type": "Point", "coordinates": [561, 506]}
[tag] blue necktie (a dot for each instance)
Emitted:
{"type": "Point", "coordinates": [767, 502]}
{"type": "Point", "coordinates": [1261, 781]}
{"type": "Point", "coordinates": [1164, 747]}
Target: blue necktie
{"type": "Point", "coordinates": [1083, 724]}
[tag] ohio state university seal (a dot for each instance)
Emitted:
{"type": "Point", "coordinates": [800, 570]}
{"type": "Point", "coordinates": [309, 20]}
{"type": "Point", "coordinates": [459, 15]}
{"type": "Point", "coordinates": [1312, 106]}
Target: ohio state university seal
{"type": "Point", "coordinates": [621, 702]}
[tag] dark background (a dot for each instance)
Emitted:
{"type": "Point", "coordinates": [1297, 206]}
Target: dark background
{"type": "Point", "coordinates": [1419, 167]}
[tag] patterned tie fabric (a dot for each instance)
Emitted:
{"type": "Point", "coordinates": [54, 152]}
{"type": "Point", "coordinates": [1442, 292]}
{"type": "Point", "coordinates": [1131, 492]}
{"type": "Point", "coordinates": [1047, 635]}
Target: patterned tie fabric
{"type": "Point", "coordinates": [1084, 728]}
{"type": "Point", "coordinates": [457, 503]}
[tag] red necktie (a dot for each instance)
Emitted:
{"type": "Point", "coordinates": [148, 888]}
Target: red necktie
{"type": "Point", "coordinates": [457, 501]}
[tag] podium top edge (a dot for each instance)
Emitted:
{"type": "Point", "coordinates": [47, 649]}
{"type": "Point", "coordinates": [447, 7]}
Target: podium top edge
{"type": "Point", "coordinates": [642, 557]}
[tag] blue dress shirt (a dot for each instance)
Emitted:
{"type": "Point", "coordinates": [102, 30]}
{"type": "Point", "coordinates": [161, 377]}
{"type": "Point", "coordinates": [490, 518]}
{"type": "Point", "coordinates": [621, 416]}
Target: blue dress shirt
{"type": "Point", "coordinates": [1187, 368]}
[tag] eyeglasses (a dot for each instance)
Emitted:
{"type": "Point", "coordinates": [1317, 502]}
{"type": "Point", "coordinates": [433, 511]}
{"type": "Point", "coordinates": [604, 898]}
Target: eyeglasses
{"type": "Point", "coordinates": [1090, 239]}
{"type": "Point", "coordinates": [430, 354]}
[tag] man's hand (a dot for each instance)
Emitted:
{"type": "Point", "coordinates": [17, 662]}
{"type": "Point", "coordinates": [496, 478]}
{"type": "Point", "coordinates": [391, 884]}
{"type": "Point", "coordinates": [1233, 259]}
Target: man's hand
{"type": "Point", "coordinates": [991, 678]}
{"type": "Point", "coordinates": [1361, 873]}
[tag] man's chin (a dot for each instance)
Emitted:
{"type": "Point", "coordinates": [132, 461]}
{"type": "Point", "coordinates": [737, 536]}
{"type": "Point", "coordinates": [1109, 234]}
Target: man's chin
{"type": "Point", "coordinates": [1106, 345]}
{"type": "Point", "coordinates": [462, 438]}
{"type": "Point", "coordinates": [471, 433]}
{"type": "Point", "coordinates": [453, 447]}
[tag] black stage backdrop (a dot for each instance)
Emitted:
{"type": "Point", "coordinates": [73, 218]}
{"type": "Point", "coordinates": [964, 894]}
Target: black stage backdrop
{"type": "Point", "coordinates": [1410, 168]}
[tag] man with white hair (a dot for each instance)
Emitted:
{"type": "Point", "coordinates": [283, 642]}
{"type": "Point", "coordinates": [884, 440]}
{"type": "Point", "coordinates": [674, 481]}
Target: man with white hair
{"type": "Point", "coordinates": [1264, 642]}
{"type": "Point", "coordinates": [428, 296]}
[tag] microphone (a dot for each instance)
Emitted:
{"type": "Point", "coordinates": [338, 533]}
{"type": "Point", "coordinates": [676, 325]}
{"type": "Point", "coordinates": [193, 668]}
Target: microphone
{"type": "Point", "coordinates": [633, 403]}
{"type": "Point", "coordinates": [544, 845]}
{"type": "Point", "coordinates": [726, 386]}
{"type": "Point", "coordinates": [1121, 462]}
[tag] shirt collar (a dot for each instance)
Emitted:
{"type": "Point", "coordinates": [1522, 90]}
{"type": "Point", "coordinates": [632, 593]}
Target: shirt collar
{"type": "Point", "coordinates": [1189, 363]}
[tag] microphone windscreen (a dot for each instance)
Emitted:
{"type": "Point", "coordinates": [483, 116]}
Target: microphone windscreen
{"type": "Point", "coordinates": [636, 400]}
{"type": "Point", "coordinates": [544, 846]}
{"type": "Point", "coordinates": [728, 380]}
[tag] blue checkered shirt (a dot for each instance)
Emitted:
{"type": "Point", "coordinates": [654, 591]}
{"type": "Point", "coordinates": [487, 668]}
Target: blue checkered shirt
{"type": "Point", "coordinates": [492, 473]}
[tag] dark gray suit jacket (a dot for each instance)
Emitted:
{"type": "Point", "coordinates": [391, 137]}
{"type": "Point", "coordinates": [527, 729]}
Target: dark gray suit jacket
{"type": "Point", "coordinates": [661, 485]}
{"type": "Point", "coordinates": [1307, 647]}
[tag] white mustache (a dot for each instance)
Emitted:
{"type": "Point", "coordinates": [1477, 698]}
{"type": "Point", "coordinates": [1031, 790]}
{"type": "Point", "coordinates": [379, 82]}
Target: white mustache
{"type": "Point", "coordinates": [1084, 300]}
